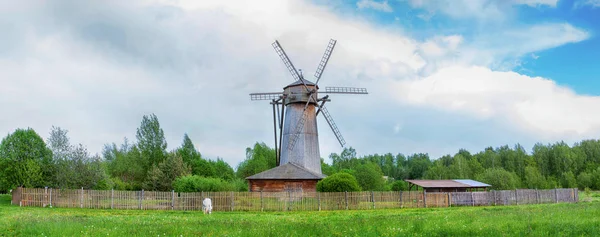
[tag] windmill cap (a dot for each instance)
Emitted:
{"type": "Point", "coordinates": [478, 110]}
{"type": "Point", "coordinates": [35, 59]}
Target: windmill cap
{"type": "Point", "coordinates": [299, 82]}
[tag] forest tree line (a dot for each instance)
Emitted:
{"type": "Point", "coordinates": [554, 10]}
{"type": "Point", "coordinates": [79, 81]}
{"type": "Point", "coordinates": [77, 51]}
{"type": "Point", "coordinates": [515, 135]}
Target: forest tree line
{"type": "Point", "coordinates": [29, 161]}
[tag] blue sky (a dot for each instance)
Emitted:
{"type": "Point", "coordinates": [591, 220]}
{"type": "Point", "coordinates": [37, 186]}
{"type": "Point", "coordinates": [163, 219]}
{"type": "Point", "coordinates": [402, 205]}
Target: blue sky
{"type": "Point", "coordinates": [573, 65]}
{"type": "Point", "coordinates": [441, 74]}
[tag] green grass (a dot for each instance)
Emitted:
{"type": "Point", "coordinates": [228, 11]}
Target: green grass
{"type": "Point", "coordinates": [566, 219]}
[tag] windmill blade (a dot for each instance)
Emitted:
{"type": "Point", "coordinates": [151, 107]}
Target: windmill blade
{"type": "Point", "coordinates": [334, 128]}
{"type": "Point", "coordinates": [266, 95]}
{"type": "Point", "coordinates": [324, 60]}
{"type": "Point", "coordinates": [286, 60]}
{"type": "Point", "coordinates": [345, 90]}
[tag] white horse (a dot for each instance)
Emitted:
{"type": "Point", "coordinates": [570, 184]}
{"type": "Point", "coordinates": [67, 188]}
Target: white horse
{"type": "Point", "coordinates": [207, 206]}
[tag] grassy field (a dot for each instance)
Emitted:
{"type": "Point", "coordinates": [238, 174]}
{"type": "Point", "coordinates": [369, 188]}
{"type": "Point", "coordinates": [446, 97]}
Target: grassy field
{"type": "Point", "coordinates": [567, 219]}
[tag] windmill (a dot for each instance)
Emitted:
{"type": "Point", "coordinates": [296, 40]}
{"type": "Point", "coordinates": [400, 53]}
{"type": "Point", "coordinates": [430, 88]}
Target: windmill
{"type": "Point", "coordinates": [295, 112]}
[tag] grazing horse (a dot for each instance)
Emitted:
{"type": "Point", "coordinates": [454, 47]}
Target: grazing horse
{"type": "Point", "coordinates": [207, 206]}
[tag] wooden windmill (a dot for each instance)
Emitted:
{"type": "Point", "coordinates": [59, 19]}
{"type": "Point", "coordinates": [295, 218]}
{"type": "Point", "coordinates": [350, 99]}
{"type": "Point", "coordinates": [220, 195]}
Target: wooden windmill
{"type": "Point", "coordinates": [295, 112]}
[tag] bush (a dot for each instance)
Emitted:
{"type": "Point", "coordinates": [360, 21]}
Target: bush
{"type": "Point", "coordinates": [399, 185]}
{"type": "Point", "coordinates": [194, 183]}
{"type": "Point", "coordinates": [338, 182]}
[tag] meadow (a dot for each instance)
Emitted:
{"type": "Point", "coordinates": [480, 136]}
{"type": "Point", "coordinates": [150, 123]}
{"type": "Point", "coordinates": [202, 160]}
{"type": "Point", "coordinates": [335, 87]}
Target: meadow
{"type": "Point", "coordinates": [564, 219]}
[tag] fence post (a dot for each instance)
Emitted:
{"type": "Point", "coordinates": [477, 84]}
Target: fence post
{"type": "Point", "coordinates": [81, 200]}
{"type": "Point", "coordinates": [516, 197]}
{"type": "Point", "coordinates": [141, 196]}
{"type": "Point", "coordinates": [261, 201]}
{"type": "Point", "coordinates": [373, 199]}
{"type": "Point", "coordinates": [425, 198]}
{"type": "Point", "coordinates": [232, 205]}
{"type": "Point", "coordinates": [472, 199]}
{"type": "Point", "coordinates": [319, 199]}
{"type": "Point", "coordinates": [449, 199]}
{"type": "Point", "coordinates": [494, 192]}
{"type": "Point", "coordinates": [172, 199]}
{"type": "Point", "coordinates": [346, 196]}
{"type": "Point", "coordinates": [44, 197]}
{"type": "Point", "coordinates": [401, 203]}
{"type": "Point", "coordinates": [576, 196]}
{"type": "Point", "coordinates": [112, 198]}
{"type": "Point", "coordinates": [50, 197]}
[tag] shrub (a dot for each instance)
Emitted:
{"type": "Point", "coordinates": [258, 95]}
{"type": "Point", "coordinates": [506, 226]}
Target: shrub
{"type": "Point", "coordinates": [399, 185]}
{"type": "Point", "coordinates": [194, 183]}
{"type": "Point", "coordinates": [338, 182]}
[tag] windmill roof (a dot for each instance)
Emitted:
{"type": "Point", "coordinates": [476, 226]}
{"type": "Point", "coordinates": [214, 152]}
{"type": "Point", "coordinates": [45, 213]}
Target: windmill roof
{"type": "Point", "coordinates": [299, 82]}
{"type": "Point", "coordinates": [287, 171]}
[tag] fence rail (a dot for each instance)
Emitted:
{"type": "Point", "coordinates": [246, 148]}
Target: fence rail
{"type": "Point", "coordinates": [281, 201]}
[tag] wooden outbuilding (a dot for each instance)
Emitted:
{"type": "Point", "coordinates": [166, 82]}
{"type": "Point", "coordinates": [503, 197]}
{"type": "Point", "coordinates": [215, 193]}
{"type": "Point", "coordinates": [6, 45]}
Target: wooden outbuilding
{"type": "Point", "coordinates": [449, 185]}
{"type": "Point", "coordinates": [287, 177]}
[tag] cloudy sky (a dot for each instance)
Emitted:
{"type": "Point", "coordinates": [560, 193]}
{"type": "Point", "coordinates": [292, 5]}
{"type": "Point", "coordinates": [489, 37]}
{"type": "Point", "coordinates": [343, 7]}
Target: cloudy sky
{"type": "Point", "coordinates": [441, 74]}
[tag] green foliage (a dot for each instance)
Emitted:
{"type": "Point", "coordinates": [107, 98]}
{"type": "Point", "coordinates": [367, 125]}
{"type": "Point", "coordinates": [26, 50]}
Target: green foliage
{"type": "Point", "coordinates": [223, 170]}
{"type": "Point", "coordinates": [151, 141]}
{"type": "Point", "coordinates": [194, 183]}
{"type": "Point", "coordinates": [568, 180]}
{"type": "Point", "coordinates": [24, 161]}
{"type": "Point", "coordinates": [499, 178]}
{"type": "Point", "coordinates": [162, 176]}
{"type": "Point", "coordinates": [74, 168]}
{"type": "Point", "coordinates": [338, 182]}
{"type": "Point", "coordinates": [399, 185]}
{"type": "Point", "coordinates": [533, 178]}
{"type": "Point", "coordinates": [370, 177]}
{"type": "Point", "coordinates": [584, 180]}
{"type": "Point", "coordinates": [258, 159]}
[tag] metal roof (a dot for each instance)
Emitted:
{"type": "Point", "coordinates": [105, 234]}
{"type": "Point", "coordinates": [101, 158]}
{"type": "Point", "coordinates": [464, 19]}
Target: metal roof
{"type": "Point", "coordinates": [473, 183]}
{"type": "Point", "coordinates": [287, 171]}
{"type": "Point", "coordinates": [449, 183]}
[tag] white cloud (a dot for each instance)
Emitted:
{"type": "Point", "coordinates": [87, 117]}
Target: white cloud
{"type": "Point", "coordinates": [534, 104]}
{"type": "Point", "coordinates": [484, 10]}
{"type": "Point", "coordinates": [583, 3]}
{"type": "Point", "coordinates": [535, 3]}
{"type": "Point", "coordinates": [379, 6]}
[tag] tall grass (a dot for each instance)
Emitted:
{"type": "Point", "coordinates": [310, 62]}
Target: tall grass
{"type": "Point", "coordinates": [565, 219]}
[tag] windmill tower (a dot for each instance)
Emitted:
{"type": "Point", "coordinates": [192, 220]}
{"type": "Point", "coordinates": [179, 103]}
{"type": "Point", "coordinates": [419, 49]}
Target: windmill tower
{"type": "Point", "coordinates": [295, 112]}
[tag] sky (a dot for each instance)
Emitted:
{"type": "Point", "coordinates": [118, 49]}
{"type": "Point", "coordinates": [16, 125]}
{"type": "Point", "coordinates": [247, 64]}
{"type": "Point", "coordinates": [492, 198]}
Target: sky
{"type": "Point", "coordinates": [441, 74]}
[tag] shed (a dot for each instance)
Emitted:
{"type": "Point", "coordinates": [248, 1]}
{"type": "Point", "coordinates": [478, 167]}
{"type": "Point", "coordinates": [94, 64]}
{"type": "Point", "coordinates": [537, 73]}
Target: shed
{"type": "Point", "coordinates": [449, 185]}
{"type": "Point", "coordinates": [286, 177]}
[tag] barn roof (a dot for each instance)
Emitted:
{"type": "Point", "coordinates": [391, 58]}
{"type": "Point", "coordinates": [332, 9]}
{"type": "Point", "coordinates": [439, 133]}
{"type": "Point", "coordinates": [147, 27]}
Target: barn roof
{"type": "Point", "coordinates": [287, 171]}
{"type": "Point", "coordinates": [449, 183]}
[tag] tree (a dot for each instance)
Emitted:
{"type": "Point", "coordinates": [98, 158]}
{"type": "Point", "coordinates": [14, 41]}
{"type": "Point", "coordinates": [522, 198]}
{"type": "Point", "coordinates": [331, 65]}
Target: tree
{"type": "Point", "coordinates": [499, 178]}
{"type": "Point", "coordinates": [258, 159]}
{"type": "Point", "coordinates": [128, 166]}
{"type": "Point", "coordinates": [584, 180]}
{"type": "Point", "coordinates": [73, 165]}
{"type": "Point", "coordinates": [222, 169]}
{"type": "Point", "coordinates": [418, 165]}
{"type": "Point", "coordinates": [24, 160]}
{"type": "Point", "coordinates": [151, 141]}
{"type": "Point", "coordinates": [338, 182]}
{"type": "Point", "coordinates": [369, 177]}
{"type": "Point", "coordinates": [568, 180]}
{"type": "Point", "coordinates": [533, 178]}
{"type": "Point", "coordinates": [399, 185]}
{"type": "Point", "coordinates": [160, 177]}
{"type": "Point", "coordinates": [187, 151]}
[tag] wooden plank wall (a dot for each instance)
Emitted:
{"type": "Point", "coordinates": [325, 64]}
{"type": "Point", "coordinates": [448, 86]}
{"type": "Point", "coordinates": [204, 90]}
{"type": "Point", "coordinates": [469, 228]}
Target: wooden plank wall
{"type": "Point", "coordinates": [281, 201]}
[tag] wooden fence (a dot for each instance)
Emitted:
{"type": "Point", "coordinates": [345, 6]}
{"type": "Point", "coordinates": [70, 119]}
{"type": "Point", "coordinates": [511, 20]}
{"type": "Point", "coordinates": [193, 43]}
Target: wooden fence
{"type": "Point", "coordinates": [281, 201]}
